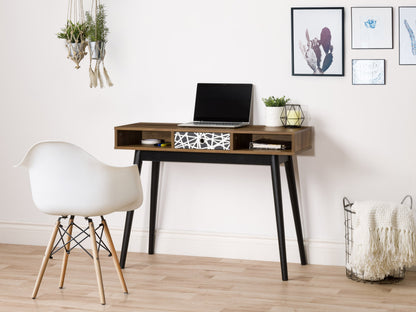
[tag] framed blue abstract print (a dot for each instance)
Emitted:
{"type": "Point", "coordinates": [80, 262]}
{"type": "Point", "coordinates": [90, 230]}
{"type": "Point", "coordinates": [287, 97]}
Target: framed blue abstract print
{"type": "Point", "coordinates": [372, 28]}
{"type": "Point", "coordinates": [407, 33]}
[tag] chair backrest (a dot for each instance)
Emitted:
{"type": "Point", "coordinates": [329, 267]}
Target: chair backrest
{"type": "Point", "coordinates": [66, 180]}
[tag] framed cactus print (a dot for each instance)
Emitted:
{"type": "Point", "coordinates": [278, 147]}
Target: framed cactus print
{"type": "Point", "coordinates": [318, 41]}
{"type": "Point", "coordinates": [407, 33]}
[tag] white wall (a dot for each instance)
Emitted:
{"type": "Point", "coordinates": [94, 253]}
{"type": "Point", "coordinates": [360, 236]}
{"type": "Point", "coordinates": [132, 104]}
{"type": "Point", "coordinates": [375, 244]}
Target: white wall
{"type": "Point", "coordinates": [158, 50]}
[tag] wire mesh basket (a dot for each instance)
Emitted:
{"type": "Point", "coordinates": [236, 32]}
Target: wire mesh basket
{"type": "Point", "coordinates": [349, 221]}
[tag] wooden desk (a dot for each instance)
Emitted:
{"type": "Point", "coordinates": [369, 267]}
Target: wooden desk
{"type": "Point", "coordinates": [238, 152]}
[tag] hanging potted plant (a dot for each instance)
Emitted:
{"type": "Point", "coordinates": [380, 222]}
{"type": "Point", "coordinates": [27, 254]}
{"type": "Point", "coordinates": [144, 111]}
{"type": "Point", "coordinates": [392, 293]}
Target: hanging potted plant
{"type": "Point", "coordinates": [274, 108]}
{"type": "Point", "coordinates": [97, 38]}
{"type": "Point", "coordinates": [75, 32]}
{"type": "Point", "coordinates": [97, 32]}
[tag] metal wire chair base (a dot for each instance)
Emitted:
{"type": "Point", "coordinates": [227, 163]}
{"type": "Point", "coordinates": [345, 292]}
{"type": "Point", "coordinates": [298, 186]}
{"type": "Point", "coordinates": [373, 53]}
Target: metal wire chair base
{"type": "Point", "coordinates": [64, 242]}
{"type": "Point", "coordinates": [77, 239]}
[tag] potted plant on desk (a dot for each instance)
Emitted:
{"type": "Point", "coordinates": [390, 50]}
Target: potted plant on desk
{"type": "Point", "coordinates": [274, 108]}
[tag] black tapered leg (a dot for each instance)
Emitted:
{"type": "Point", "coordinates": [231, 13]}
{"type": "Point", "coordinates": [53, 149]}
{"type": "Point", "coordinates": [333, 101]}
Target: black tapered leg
{"type": "Point", "coordinates": [277, 195]}
{"type": "Point", "coordinates": [129, 220]}
{"type": "Point", "coordinates": [153, 205]}
{"type": "Point", "coordinates": [290, 175]}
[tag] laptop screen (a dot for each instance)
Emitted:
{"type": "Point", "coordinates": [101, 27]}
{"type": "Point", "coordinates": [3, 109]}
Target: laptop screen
{"type": "Point", "coordinates": [223, 102]}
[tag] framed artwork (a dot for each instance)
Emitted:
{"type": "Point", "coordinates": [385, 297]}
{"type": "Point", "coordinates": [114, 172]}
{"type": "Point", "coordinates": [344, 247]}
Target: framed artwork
{"type": "Point", "coordinates": [368, 72]}
{"type": "Point", "coordinates": [372, 28]}
{"type": "Point", "coordinates": [318, 41]}
{"type": "Point", "coordinates": [407, 32]}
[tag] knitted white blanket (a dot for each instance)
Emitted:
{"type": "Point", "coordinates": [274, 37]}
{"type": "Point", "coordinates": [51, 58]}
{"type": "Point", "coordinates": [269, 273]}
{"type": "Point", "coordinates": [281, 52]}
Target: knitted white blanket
{"type": "Point", "coordinates": [384, 239]}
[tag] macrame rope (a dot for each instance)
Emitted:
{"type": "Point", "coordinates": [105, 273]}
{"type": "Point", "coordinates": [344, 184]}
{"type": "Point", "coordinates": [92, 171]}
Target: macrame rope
{"type": "Point", "coordinates": [94, 7]}
{"type": "Point", "coordinates": [81, 11]}
{"type": "Point", "coordinates": [76, 43]}
{"type": "Point", "coordinates": [68, 12]}
{"type": "Point", "coordinates": [100, 79]}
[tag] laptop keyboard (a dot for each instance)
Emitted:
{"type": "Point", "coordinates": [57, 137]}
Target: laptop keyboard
{"type": "Point", "coordinates": [213, 124]}
{"type": "Point", "coordinates": [217, 123]}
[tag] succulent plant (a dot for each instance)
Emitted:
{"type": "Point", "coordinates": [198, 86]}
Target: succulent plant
{"type": "Point", "coordinates": [275, 102]}
{"type": "Point", "coordinates": [73, 32]}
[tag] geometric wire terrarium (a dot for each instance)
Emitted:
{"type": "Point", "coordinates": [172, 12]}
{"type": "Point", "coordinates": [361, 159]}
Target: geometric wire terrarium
{"type": "Point", "coordinates": [292, 116]}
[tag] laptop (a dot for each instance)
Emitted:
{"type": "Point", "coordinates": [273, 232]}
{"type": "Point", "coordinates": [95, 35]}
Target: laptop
{"type": "Point", "coordinates": [223, 105]}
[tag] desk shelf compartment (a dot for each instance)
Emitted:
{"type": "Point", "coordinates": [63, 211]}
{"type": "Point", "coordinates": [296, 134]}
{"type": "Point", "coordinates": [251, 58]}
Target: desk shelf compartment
{"type": "Point", "coordinates": [274, 138]}
{"type": "Point", "coordinates": [133, 138]}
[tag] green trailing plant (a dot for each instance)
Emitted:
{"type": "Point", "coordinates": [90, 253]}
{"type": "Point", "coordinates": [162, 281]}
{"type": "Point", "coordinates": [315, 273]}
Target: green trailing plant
{"type": "Point", "coordinates": [73, 32]}
{"type": "Point", "coordinates": [97, 29]}
{"type": "Point", "coordinates": [271, 101]}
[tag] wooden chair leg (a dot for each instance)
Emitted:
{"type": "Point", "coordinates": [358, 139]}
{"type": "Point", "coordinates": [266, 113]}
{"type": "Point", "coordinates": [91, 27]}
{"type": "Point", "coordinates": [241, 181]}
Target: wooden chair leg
{"type": "Point", "coordinates": [66, 254]}
{"type": "Point", "coordinates": [96, 262]}
{"type": "Point", "coordinates": [114, 254]}
{"type": "Point", "coordinates": [45, 259]}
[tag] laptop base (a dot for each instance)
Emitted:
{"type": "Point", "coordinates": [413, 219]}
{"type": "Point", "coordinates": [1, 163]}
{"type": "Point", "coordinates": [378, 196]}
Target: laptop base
{"type": "Point", "coordinates": [212, 124]}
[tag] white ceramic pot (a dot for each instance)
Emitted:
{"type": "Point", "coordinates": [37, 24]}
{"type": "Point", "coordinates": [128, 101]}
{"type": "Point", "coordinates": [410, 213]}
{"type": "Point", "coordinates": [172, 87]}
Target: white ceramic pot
{"type": "Point", "coordinates": [273, 116]}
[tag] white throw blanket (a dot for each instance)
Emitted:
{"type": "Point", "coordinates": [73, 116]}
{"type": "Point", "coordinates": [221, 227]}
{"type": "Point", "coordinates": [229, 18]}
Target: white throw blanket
{"type": "Point", "coordinates": [384, 239]}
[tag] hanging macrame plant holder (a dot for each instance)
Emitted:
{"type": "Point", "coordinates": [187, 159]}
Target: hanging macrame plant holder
{"type": "Point", "coordinates": [96, 45]}
{"type": "Point", "coordinates": [76, 32]}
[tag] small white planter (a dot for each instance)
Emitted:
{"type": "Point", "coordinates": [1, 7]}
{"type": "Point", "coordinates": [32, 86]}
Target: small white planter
{"type": "Point", "coordinates": [273, 116]}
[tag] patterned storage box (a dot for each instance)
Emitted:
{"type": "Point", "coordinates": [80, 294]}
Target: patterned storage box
{"type": "Point", "coordinates": [202, 140]}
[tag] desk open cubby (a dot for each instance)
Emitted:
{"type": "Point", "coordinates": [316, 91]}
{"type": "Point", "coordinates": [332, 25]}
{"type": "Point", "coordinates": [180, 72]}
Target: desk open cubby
{"type": "Point", "coordinates": [130, 136]}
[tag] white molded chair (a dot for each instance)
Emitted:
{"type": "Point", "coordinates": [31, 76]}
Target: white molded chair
{"type": "Point", "coordinates": [67, 181]}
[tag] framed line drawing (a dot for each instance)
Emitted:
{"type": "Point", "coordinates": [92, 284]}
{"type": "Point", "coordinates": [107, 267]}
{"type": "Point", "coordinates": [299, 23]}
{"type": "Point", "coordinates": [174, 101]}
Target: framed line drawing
{"type": "Point", "coordinates": [318, 41]}
{"type": "Point", "coordinates": [368, 72]}
{"type": "Point", "coordinates": [407, 33]}
{"type": "Point", "coordinates": [372, 28]}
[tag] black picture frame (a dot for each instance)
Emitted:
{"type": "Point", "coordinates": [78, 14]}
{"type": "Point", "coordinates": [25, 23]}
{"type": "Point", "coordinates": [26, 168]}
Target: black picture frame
{"type": "Point", "coordinates": [407, 34]}
{"type": "Point", "coordinates": [368, 71]}
{"type": "Point", "coordinates": [317, 57]}
{"type": "Point", "coordinates": [372, 27]}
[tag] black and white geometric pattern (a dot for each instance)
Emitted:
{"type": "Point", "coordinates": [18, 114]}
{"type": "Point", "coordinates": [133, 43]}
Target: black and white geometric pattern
{"type": "Point", "coordinates": [202, 140]}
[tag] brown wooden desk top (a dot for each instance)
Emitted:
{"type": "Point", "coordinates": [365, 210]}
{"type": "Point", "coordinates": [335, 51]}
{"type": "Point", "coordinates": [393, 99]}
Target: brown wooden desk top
{"type": "Point", "coordinates": [130, 136]}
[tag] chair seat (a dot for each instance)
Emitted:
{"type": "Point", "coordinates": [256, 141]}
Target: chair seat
{"type": "Point", "coordinates": [86, 211]}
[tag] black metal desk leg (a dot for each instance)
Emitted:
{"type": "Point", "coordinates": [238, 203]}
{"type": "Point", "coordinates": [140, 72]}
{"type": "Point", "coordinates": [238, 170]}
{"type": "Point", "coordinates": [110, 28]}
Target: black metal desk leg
{"type": "Point", "coordinates": [290, 175]}
{"type": "Point", "coordinates": [153, 205]}
{"type": "Point", "coordinates": [129, 220]}
{"type": "Point", "coordinates": [126, 238]}
{"type": "Point", "coordinates": [277, 194]}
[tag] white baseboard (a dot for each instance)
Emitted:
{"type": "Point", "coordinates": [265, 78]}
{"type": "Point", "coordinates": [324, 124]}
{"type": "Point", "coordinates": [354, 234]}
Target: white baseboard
{"type": "Point", "coordinates": [192, 244]}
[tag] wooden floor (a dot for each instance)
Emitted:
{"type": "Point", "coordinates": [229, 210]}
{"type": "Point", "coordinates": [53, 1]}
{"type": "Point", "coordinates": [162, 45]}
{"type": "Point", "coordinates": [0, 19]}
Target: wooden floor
{"type": "Point", "coordinates": [181, 283]}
